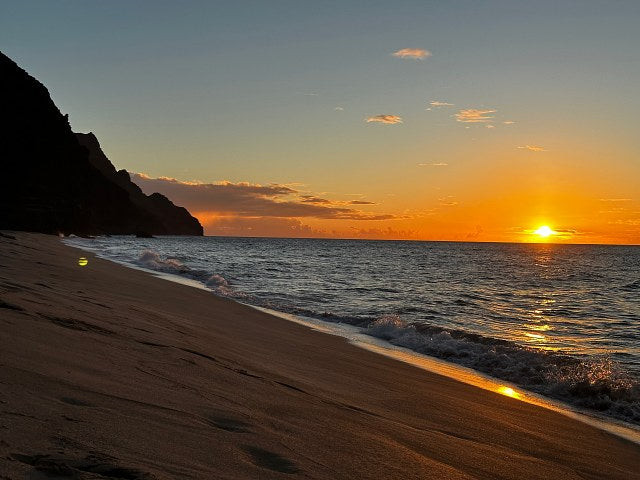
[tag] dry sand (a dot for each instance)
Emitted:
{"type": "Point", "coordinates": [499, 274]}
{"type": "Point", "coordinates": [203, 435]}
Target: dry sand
{"type": "Point", "coordinates": [108, 372]}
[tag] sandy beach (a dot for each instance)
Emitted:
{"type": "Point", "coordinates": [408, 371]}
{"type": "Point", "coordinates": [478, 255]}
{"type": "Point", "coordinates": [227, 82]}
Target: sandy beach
{"type": "Point", "coordinates": [109, 372]}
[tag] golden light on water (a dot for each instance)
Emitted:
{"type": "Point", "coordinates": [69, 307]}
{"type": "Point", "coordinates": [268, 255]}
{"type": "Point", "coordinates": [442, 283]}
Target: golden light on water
{"type": "Point", "coordinates": [535, 336]}
{"type": "Point", "coordinates": [508, 391]}
{"type": "Point", "coordinates": [82, 261]}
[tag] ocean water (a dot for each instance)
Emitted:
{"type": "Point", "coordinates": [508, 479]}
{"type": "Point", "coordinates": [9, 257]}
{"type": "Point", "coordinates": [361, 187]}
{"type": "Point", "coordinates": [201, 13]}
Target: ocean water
{"type": "Point", "coordinates": [562, 321]}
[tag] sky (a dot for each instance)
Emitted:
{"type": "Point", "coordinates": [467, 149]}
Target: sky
{"type": "Point", "coordinates": [449, 120]}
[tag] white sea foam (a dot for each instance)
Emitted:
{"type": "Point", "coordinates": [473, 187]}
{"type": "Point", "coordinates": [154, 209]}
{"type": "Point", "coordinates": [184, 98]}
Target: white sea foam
{"type": "Point", "coordinates": [219, 285]}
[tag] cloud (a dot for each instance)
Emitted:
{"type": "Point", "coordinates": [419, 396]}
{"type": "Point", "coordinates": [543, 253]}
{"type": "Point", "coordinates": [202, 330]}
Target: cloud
{"type": "Point", "coordinates": [440, 104]}
{"type": "Point", "coordinates": [447, 201]}
{"type": "Point", "coordinates": [473, 115]}
{"type": "Point", "coordinates": [244, 199]}
{"type": "Point", "coordinates": [476, 234]}
{"type": "Point", "coordinates": [565, 233]}
{"type": "Point", "coordinates": [509, 122]}
{"type": "Point", "coordinates": [387, 119]}
{"type": "Point", "coordinates": [339, 109]}
{"type": "Point", "coordinates": [387, 234]}
{"type": "Point", "coordinates": [360, 202]}
{"type": "Point", "coordinates": [439, 164]}
{"type": "Point", "coordinates": [314, 199]}
{"type": "Point", "coordinates": [615, 199]}
{"type": "Point", "coordinates": [632, 222]}
{"type": "Point", "coordinates": [490, 126]}
{"type": "Point", "coordinates": [413, 53]}
{"type": "Point", "coordinates": [532, 148]}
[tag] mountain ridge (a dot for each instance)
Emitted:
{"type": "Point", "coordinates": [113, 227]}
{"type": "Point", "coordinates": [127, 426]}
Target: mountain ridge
{"type": "Point", "coordinates": [52, 183]}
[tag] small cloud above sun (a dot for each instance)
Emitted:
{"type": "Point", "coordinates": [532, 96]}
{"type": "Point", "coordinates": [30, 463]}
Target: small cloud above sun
{"type": "Point", "coordinates": [412, 53]}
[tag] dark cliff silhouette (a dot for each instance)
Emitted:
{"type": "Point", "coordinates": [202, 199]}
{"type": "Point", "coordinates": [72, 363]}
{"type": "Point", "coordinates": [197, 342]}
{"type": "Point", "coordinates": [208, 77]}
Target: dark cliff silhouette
{"type": "Point", "coordinates": [52, 180]}
{"type": "Point", "coordinates": [176, 220]}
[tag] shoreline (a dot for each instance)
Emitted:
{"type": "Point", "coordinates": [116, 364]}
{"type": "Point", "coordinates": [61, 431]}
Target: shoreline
{"type": "Point", "coordinates": [625, 430]}
{"type": "Point", "coordinates": [104, 366]}
{"type": "Point", "coordinates": [356, 337]}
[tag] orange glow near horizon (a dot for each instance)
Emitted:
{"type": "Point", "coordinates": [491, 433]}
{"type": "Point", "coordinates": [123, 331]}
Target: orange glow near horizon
{"type": "Point", "coordinates": [424, 227]}
{"type": "Point", "coordinates": [471, 191]}
{"type": "Point", "coordinates": [483, 213]}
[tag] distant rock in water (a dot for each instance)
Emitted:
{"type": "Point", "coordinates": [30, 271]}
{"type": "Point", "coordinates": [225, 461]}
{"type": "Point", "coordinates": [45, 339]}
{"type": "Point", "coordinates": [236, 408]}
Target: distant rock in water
{"type": "Point", "coordinates": [53, 180]}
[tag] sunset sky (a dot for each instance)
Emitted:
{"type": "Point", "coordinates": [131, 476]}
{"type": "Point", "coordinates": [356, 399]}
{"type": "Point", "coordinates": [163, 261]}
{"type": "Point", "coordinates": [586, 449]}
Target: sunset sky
{"type": "Point", "coordinates": [450, 120]}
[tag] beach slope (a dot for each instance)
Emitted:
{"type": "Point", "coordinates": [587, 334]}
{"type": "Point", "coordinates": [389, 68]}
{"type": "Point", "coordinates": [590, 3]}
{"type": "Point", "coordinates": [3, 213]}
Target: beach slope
{"type": "Point", "coordinates": [109, 372]}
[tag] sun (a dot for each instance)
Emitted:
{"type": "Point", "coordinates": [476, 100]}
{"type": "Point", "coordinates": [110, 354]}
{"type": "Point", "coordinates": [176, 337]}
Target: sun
{"type": "Point", "coordinates": [544, 231]}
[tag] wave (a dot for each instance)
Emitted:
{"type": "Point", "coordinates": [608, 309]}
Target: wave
{"type": "Point", "coordinates": [151, 260]}
{"type": "Point", "coordinates": [598, 384]}
{"type": "Point", "coordinates": [632, 286]}
{"type": "Point", "coordinates": [215, 282]}
{"type": "Point", "coordinates": [220, 285]}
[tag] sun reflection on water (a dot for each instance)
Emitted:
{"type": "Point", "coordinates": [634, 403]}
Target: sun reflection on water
{"type": "Point", "coordinates": [535, 336]}
{"type": "Point", "coordinates": [508, 391]}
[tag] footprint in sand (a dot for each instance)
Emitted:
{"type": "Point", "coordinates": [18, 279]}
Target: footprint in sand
{"type": "Point", "coordinates": [270, 460]}
{"type": "Point", "coordinates": [75, 402]}
{"type": "Point", "coordinates": [228, 424]}
{"type": "Point", "coordinates": [97, 466]}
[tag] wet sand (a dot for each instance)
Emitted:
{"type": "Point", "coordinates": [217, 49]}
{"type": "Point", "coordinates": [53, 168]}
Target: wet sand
{"type": "Point", "coordinates": [109, 372]}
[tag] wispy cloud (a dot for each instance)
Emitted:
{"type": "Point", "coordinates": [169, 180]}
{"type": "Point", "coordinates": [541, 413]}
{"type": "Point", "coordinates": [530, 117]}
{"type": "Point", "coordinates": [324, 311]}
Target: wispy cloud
{"type": "Point", "coordinates": [532, 148]}
{"type": "Point", "coordinates": [475, 234]}
{"type": "Point", "coordinates": [509, 122]}
{"type": "Point", "coordinates": [615, 199]}
{"type": "Point", "coordinates": [412, 53]}
{"type": "Point", "coordinates": [565, 233]}
{"type": "Point", "coordinates": [436, 103]}
{"type": "Point", "coordinates": [473, 115]}
{"type": "Point", "coordinates": [314, 199]}
{"type": "Point", "coordinates": [439, 164]}
{"type": "Point", "coordinates": [339, 109]}
{"type": "Point", "coordinates": [361, 202]}
{"type": "Point", "coordinates": [447, 201]}
{"type": "Point", "coordinates": [387, 119]}
{"type": "Point", "coordinates": [388, 233]}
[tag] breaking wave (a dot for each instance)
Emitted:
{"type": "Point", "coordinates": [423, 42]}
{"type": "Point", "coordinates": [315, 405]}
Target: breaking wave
{"type": "Point", "coordinates": [219, 284]}
{"type": "Point", "coordinates": [153, 261]}
{"type": "Point", "coordinates": [215, 282]}
{"type": "Point", "coordinates": [598, 383]}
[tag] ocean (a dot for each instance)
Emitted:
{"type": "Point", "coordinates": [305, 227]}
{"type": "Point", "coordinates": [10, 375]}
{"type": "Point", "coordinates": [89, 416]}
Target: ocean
{"type": "Point", "coordinates": [562, 321]}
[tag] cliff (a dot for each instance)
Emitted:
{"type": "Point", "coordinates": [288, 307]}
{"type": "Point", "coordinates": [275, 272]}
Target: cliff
{"type": "Point", "coordinates": [175, 220]}
{"type": "Point", "coordinates": [51, 183]}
